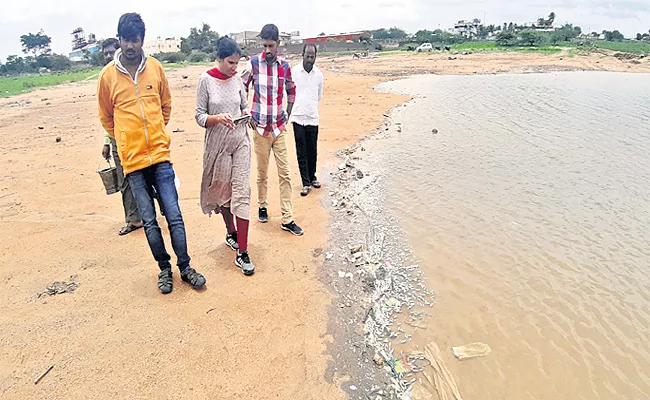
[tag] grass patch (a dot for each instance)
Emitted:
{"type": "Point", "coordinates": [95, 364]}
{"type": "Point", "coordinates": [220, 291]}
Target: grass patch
{"type": "Point", "coordinates": [11, 86]}
{"type": "Point", "coordinates": [626, 46]}
{"type": "Point", "coordinates": [185, 64]}
{"type": "Point", "coordinates": [492, 47]}
{"type": "Point", "coordinates": [485, 47]}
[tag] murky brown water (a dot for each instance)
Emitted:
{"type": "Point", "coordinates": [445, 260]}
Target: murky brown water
{"type": "Point", "coordinates": [530, 213]}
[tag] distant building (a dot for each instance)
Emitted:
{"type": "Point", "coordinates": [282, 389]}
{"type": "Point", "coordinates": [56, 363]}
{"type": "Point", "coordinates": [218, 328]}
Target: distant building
{"type": "Point", "coordinates": [467, 28]}
{"type": "Point", "coordinates": [160, 45]}
{"type": "Point", "coordinates": [342, 37]}
{"type": "Point", "coordinates": [536, 26]}
{"type": "Point", "coordinates": [78, 54]}
{"type": "Point", "coordinates": [81, 45]}
{"type": "Point", "coordinates": [79, 40]}
{"type": "Point", "coordinates": [247, 38]}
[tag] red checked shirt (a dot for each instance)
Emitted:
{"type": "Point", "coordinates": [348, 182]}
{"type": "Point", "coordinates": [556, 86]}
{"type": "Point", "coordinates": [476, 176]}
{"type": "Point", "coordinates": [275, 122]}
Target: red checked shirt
{"type": "Point", "coordinates": [269, 83]}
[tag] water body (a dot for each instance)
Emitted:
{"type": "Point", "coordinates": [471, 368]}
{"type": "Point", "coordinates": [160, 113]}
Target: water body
{"type": "Point", "coordinates": [530, 214]}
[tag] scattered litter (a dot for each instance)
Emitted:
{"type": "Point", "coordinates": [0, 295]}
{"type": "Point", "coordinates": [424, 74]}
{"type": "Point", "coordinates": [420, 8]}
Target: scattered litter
{"type": "Point", "coordinates": [58, 139]}
{"type": "Point", "coordinates": [359, 174]}
{"type": "Point", "coordinates": [434, 131]}
{"type": "Point", "coordinates": [59, 288]}
{"type": "Point", "coordinates": [355, 248]}
{"type": "Point", "coordinates": [41, 376]}
{"type": "Point", "coordinates": [442, 379]}
{"type": "Point", "coordinates": [177, 130]}
{"type": "Point", "coordinates": [341, 274]}
{"type": "Point", "coordinates": [378, 359]}
{"type": "Point", "coordinates": [471, 350]}
{"type": "Point", "coordinates": [185, 76]}
{"type": "Point", "coordinates": [329, 256]}
{"type": "Point", "coordinates": [353, 388]}
{"type": "Point", "coordinates": [41, 127]}
{"type": "Point", "coordinates": [210, 310]}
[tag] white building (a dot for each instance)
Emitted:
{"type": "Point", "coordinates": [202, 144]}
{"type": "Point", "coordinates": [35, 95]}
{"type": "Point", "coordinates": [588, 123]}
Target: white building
{"type": "Point", "coordinates": [246, 38]}
{"type": "Point", "coordinates": [160, 45]}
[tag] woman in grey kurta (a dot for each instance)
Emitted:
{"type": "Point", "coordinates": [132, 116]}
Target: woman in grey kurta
{"type": "Point", "coordinates": [225, 186]}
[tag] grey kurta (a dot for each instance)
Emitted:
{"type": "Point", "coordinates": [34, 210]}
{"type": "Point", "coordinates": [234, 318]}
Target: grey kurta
{"type": "Point", "coordinates": [227, 153]}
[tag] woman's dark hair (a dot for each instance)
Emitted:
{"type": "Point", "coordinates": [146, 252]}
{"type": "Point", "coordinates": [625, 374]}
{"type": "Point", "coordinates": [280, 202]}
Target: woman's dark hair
{"type": "Point", "coordinates": [130, 27]}
{"type": "Point", "coordinates": [270, 32]}
{"type": "Point", "coordinates": [110, 42]}
{"type": "Point", "coordinates": [226, 47]}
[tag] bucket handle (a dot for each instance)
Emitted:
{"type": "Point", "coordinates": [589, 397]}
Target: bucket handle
{"type": "Point", "coordinates": [108, 161]}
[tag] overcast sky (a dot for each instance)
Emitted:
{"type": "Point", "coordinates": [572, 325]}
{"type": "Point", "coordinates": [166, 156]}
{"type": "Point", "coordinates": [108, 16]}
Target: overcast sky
{"type": "Point", "coordinates": [174, 18]}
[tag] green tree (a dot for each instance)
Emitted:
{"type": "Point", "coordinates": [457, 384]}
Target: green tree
{"type": "Point", "coordinates": [613, 36]}
{"type": "Point", "coordinates": [531, 38]}
{"type": "Point", "coordinates": [36, 43]}
{"type": "Point", "coordinates": [483, 32]}
{"type": "Point", "coordinates": [203, 39]}
{"type": "Point", "coordinates": [511, 27]}
{"type": "Point", "coordinates": [16, 65]}
{"type": "Point", "coordinates": [506, 38]}
{"type": "Point", "coordinates": [423, 36]}
{"type": "Point", "coordinates": [170, 57]}
{"type": "Point", "coordinates": [565, 34]}
{"type": "Point", "coordinates": [53, 62]}
{"type": "Point", "coordinates": [391, 33]}
{"type": "Point", "coordinates": [551, 19]}
{"type": "Point", "coordinates": [198, 56]}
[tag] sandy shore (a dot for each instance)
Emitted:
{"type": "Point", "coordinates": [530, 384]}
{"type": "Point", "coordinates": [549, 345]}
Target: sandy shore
{"type": "Point", "coordinates": [116, 336]}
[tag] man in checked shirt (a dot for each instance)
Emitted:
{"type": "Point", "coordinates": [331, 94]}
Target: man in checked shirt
{"type": "Point", "coordinates": [270, 76]}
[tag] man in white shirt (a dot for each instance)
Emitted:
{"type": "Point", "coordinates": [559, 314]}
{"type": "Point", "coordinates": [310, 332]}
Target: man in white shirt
{"type": "Point", "coordinates": [309, 90]}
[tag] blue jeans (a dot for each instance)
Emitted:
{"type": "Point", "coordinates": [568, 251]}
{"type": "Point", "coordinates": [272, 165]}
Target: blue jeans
{"type": "Point", "coordinates": [161, 178]}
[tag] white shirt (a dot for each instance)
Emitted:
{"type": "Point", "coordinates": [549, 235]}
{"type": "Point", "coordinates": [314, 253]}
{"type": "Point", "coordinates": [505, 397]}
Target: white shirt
{"type": "Point", "coordinates": [309, 91]}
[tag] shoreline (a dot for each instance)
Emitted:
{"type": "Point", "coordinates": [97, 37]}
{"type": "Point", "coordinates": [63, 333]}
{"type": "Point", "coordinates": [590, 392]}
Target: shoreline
{"type": "Point", "coordinates": [368, 265]}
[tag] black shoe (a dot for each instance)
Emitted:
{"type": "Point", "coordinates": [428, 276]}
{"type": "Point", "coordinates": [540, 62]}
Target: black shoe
{"type": "Point", "coordinates": [231, 240]}
{"type": "Point", "coordinates": [192, 277]}
{"type": "Point", "coordinates": [165, 281]}
{"type": "Point", "coordinates": [305, 191]}
{"type": "Point", "coordinates": [315, 184]}
{"type": "Point", "coordinates": [263, 216]}
{"type": "Point", "coordinates": [244, 262]}
{"type": "Point", "coordinates": [293, 228]}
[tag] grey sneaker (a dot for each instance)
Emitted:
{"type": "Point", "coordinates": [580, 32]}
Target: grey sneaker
{"type": "Point", "coordinates": [244, 262]}
{"type": "Point", "coordinates": [231, 241]}
{"type": "Point", "coordinates": [263, 215]}
{"type": "Point", "coordinates": [293, 228]}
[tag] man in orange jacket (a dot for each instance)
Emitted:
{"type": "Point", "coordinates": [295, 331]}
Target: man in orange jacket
{"type": "Point", "coordinates": [134, 108]}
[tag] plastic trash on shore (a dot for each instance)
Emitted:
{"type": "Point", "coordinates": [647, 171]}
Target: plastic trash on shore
{"type": "Point", "coordinates": [441, 378]}
{"type": "Point", "coordinates": [471, 350]}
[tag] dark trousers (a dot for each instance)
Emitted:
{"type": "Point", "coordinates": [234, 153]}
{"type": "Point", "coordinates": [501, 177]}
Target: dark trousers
{"type": "Point", "coordinates": [161, 178]}
{"type": "Point", "coordinates": [131, 214]}
{"type": "Point", "coordinates": [307, 150]}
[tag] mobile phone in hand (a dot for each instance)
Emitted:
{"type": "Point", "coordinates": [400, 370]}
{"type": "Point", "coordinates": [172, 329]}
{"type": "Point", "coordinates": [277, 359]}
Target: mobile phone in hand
{"type": "Point", "coordinates": [241, 120]}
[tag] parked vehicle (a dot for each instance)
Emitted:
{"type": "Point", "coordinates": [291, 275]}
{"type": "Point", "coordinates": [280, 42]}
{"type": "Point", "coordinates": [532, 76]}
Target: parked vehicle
{"type": "Point", "coordinates": [424, 47]}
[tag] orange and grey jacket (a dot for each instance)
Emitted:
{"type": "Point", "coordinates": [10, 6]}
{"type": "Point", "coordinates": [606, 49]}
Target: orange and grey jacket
{"type": "Point", "coordinates": [136, 111]}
